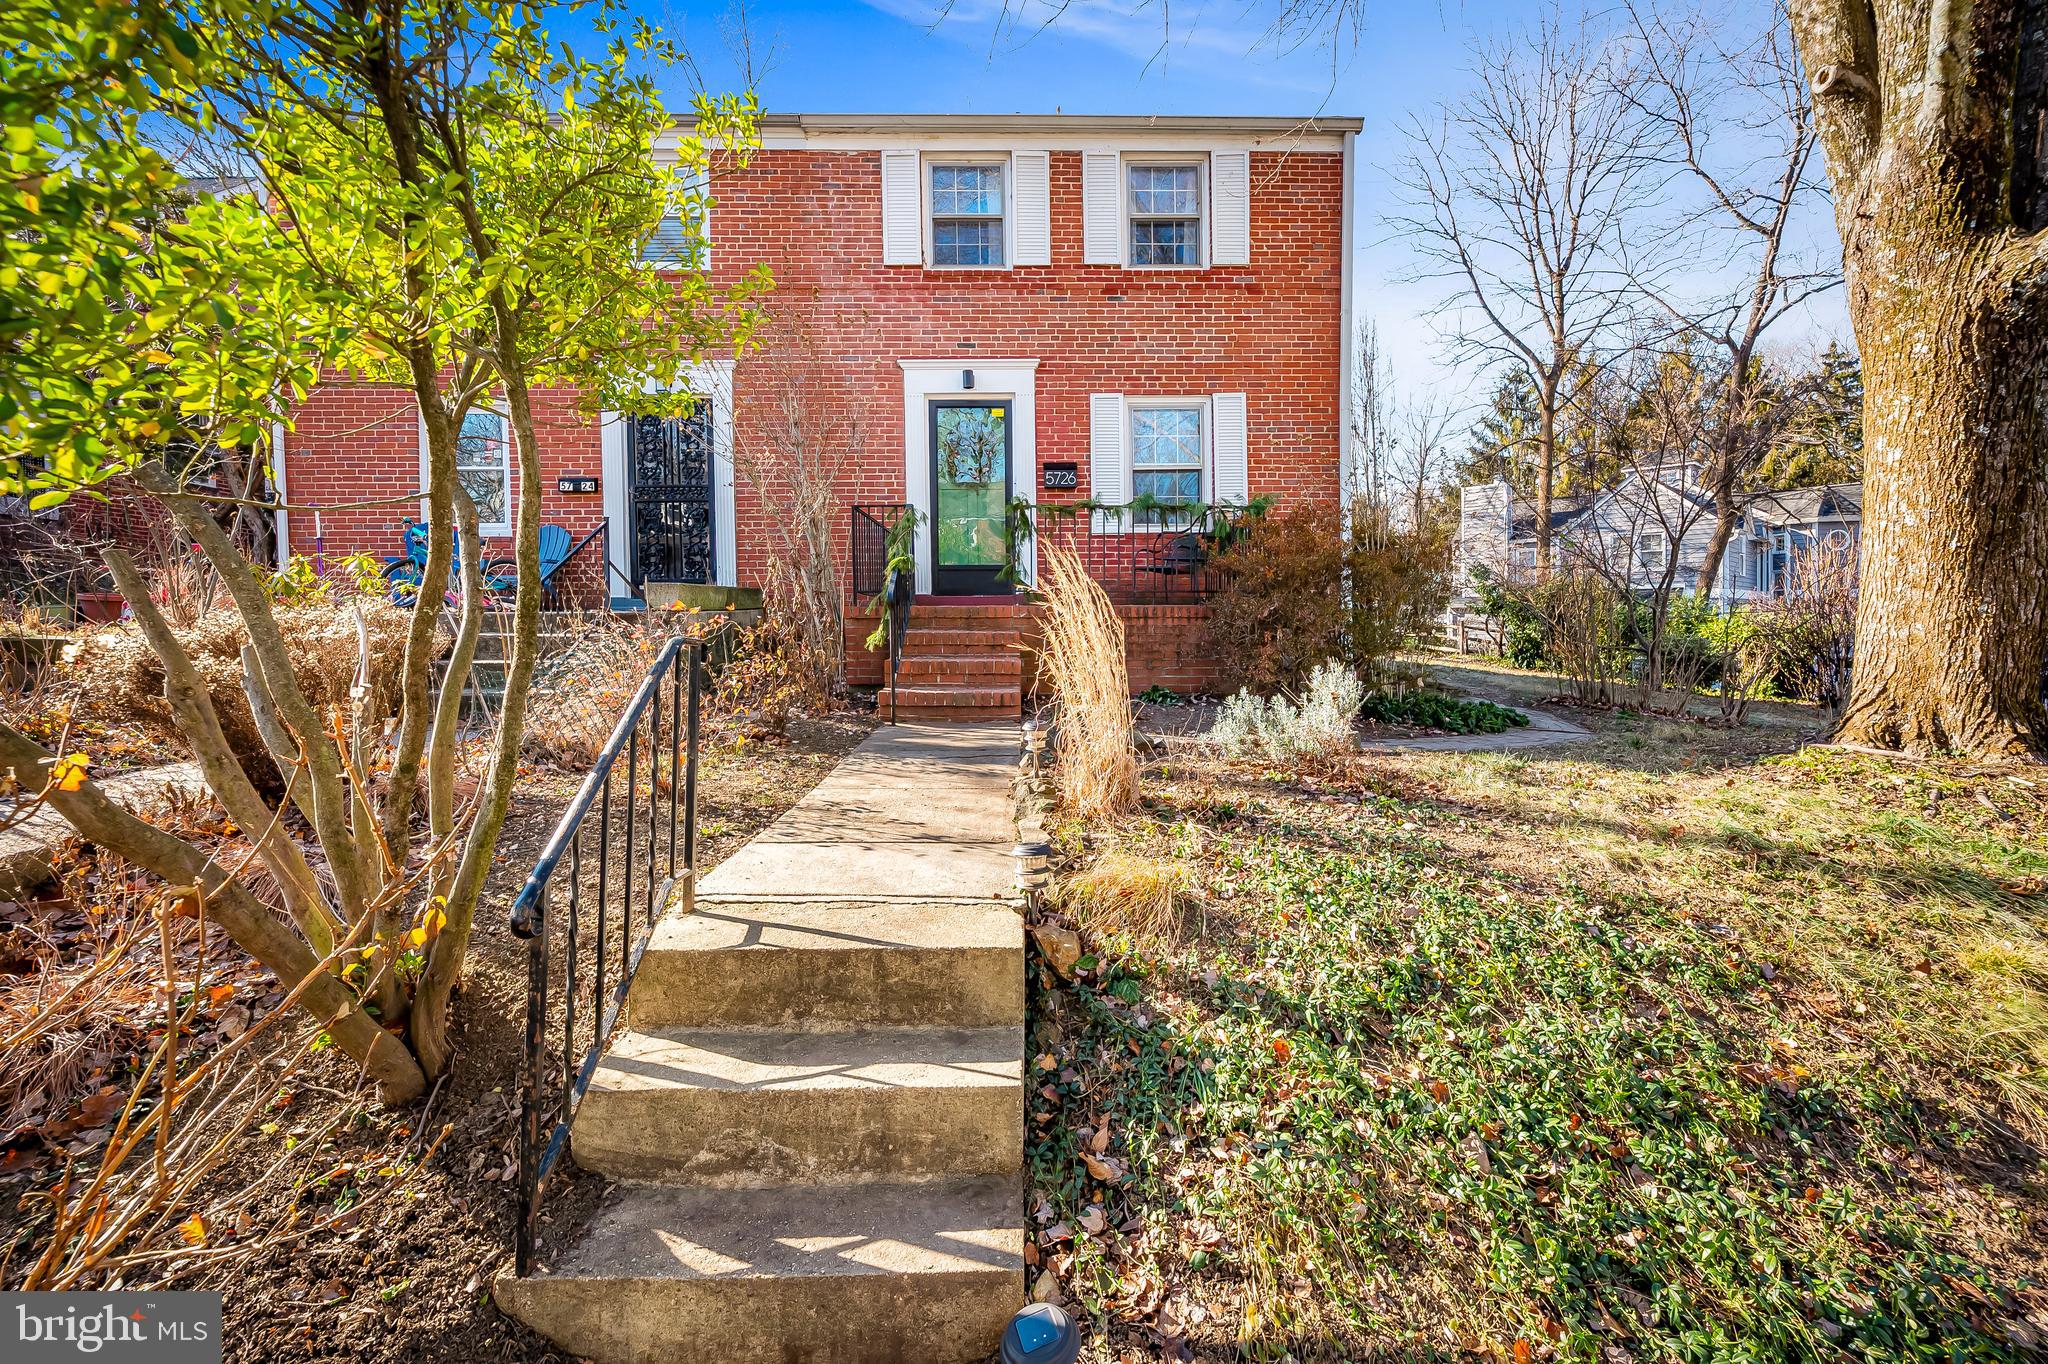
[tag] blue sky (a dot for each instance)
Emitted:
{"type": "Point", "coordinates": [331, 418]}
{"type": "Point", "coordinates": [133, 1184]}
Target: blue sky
{"type": "Point", "coordinates": [1120, 57]}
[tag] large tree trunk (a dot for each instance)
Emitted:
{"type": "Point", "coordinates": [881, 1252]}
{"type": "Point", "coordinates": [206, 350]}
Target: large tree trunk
{"type": "Point", "coordinates": [1726, 514]}
{"type": "Point", "coordinates": [1952, 615]}
{"type": "Point", "coordinates": [1930, 118]}
{"type": "Point", "coordinates": [1546, 471]}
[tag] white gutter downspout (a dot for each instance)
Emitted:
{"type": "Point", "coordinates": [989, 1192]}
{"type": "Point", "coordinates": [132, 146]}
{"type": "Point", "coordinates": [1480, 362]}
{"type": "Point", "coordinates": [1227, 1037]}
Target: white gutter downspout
{"type": "Point", "coordinates": [1346, 465]}
{"type": "Point", "coordinates": [277, 488]}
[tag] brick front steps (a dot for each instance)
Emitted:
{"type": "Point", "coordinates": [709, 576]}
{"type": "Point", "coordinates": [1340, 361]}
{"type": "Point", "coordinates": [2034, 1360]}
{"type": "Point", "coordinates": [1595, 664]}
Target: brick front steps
{"type": "Point", "coordinates": [1165, 645]}
{"type": "Point", "coordinates": [961, 661]}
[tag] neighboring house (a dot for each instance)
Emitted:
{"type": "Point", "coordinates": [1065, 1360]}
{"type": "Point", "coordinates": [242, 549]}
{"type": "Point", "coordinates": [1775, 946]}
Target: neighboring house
{"type": "Point", "coordinates": [49, 555]}
{"type": "Point", "coordinates": [1039, 309]}
{"type": "Point", "coordinates": [1831, 514]}
{"type": "Point", "coordinates": [1633, 530]}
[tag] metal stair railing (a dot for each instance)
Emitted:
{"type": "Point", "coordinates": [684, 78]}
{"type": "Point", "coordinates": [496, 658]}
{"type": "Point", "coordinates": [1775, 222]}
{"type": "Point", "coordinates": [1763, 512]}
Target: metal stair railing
{"type": "Point", "coordinates": [548, 918]}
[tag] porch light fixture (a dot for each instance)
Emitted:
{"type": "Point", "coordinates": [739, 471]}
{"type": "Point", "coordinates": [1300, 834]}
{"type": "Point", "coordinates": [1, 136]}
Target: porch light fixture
{"type": "Point", "coordinates": [1041, 1334]}
{"type": "Point", "coordinates": [966, 378]}
{"type": "Point", "coordinates": [1034, 866]}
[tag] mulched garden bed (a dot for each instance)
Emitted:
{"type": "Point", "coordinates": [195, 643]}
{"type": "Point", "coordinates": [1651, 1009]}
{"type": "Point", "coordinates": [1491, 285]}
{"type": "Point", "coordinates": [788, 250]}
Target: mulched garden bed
{"type": "Point", "coordinates": [414, 1206]}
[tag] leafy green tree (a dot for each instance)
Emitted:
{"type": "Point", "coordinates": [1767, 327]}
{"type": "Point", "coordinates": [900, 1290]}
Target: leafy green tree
{"type": "Point", "coordinates": [105, 270]}
{"type": "Point", "coordinates": [453, 204]}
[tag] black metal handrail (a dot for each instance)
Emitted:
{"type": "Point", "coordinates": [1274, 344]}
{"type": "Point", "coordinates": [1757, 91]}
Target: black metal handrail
{"type": "Point", "coordinates": [868, 546]}
{"type": "Point", "coordinates": [1144, 555]}
{"type": "Point", "coordinates": [680, 665]}
{"type": "Point", "coordinates": [900, 591]}
{"type": "Point", "coordinates": [874, 579]}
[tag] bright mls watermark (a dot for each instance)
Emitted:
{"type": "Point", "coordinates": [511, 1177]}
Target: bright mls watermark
{"type": "Point", "coordinates": [118, 1328]}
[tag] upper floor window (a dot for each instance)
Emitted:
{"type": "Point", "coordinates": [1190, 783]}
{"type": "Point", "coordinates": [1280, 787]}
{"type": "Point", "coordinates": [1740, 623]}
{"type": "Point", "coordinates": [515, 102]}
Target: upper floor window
{"type": "Point", "coordinates": [967, 215]}
{"type": "Point", "coordinates": [1653, 547]}
{"type": "Point", "coordinates": [483, 467]}
{"type": "Point", "coordinates": [1167, 454]}
{"type": "Point", "coordinates": [1165, 212]}
{"type": "Point", "coordinates": [15, 497]}
{"type": "Point", "coordinates": [681, 240]}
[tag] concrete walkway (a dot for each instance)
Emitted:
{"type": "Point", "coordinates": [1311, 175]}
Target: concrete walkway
{"type": "Point", "coordinates": [1543, 730]}
{"type": "Point", "coordinates": [816, 1110]}
{"type": "Point", "coordinates": [916, 812]}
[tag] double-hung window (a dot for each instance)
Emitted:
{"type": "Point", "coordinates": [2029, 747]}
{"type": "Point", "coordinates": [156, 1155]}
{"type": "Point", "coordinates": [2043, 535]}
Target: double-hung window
{"type": "Point", "coordinates": [967, 214]}
{"type": "Point", "coordinates": [483, 466]}
{"type": "Point", "coordinates": [1164, 206]}
{"type": "Point", "coordinates": [1653, 548]}
{"type": "Point", "coordinates": [1168, 457]}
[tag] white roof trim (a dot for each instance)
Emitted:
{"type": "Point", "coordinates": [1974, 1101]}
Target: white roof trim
{"type": "Point", "coordinates": [1112, 124]}
{"type": "Point", "coordinates": [1046, 132]}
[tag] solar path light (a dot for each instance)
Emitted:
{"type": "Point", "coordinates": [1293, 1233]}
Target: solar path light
{"type": "Point", "coordinates": [1041, 1334]}
{"type": "Point", "coordinates": [1034, 867]}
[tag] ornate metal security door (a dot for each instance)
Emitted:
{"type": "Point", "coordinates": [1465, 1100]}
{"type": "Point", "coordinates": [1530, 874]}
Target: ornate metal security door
{"type": "Point", "coordinates": [672, 498]}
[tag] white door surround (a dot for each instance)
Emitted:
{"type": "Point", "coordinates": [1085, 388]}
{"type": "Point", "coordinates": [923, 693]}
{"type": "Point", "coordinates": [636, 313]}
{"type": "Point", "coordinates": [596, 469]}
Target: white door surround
{"type": "Point", "coordinates": [713, 380]}
{"type": "Point", "coordinates": [1014, 381]}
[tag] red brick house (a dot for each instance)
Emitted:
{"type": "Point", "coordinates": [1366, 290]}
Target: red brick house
{"type": "Point", "coordinates": [1042, 309]}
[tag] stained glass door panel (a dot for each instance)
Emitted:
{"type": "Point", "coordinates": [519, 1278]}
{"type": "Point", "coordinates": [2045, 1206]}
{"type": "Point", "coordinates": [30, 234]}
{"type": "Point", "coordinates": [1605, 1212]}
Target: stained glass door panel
{"type": "Point", "coordinates": [971, 498]}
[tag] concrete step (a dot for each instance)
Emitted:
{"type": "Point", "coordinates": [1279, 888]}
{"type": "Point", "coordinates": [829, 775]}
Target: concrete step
{"type": "Point", "coordinates": [997, 668]}
{"type": "Point", "coordinates": [747, 1109]}
{"type": "Point", "coordinates": [817, 1108]}
{"type": "Point", "coordinates": [824, 965]}
{"type": "Point", "coordinates": [867, 1274]}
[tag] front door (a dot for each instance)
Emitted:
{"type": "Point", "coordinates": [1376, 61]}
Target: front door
{"type": "Point", "coordinates": [671, 463]}
{"type": "Point", "coordinates": [970, 498]}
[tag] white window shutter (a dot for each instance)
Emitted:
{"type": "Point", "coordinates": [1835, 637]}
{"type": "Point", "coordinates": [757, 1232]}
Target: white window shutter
{"type": "Point", "coordinates": [902, 209]}
{"type": "Point", "coordinates": [1233, 456]}
{"type": "Point", "coordinates": [1031, 207]}
{"type": "Point", "coordinates": [700, 183]}
{"type": "Point", "coordinates": [1230, 212]}
{"type": "Point", "coordinates": [1109, 468]}
{"type": "Point", "coordinates": [1102, 208]}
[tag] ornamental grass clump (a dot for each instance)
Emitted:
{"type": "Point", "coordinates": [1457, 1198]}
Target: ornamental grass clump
{"type": "Point", "coordinates": [1082, 656]}
{"type": "Point", "coordinates": [347, 653]}
{"type": "Point", "coordinates": [1124, 892]}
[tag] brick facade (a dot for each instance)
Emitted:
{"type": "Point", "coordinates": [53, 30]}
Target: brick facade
{"type": "Point", "coordinates": [1273, 330]}
{"type": "Point", "coordinates": [355, 450]}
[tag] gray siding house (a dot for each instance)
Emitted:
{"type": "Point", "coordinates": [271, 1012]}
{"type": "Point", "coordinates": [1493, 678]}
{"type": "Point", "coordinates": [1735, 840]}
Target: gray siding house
{"type": "Point", "coordinates": [1634, 529]}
